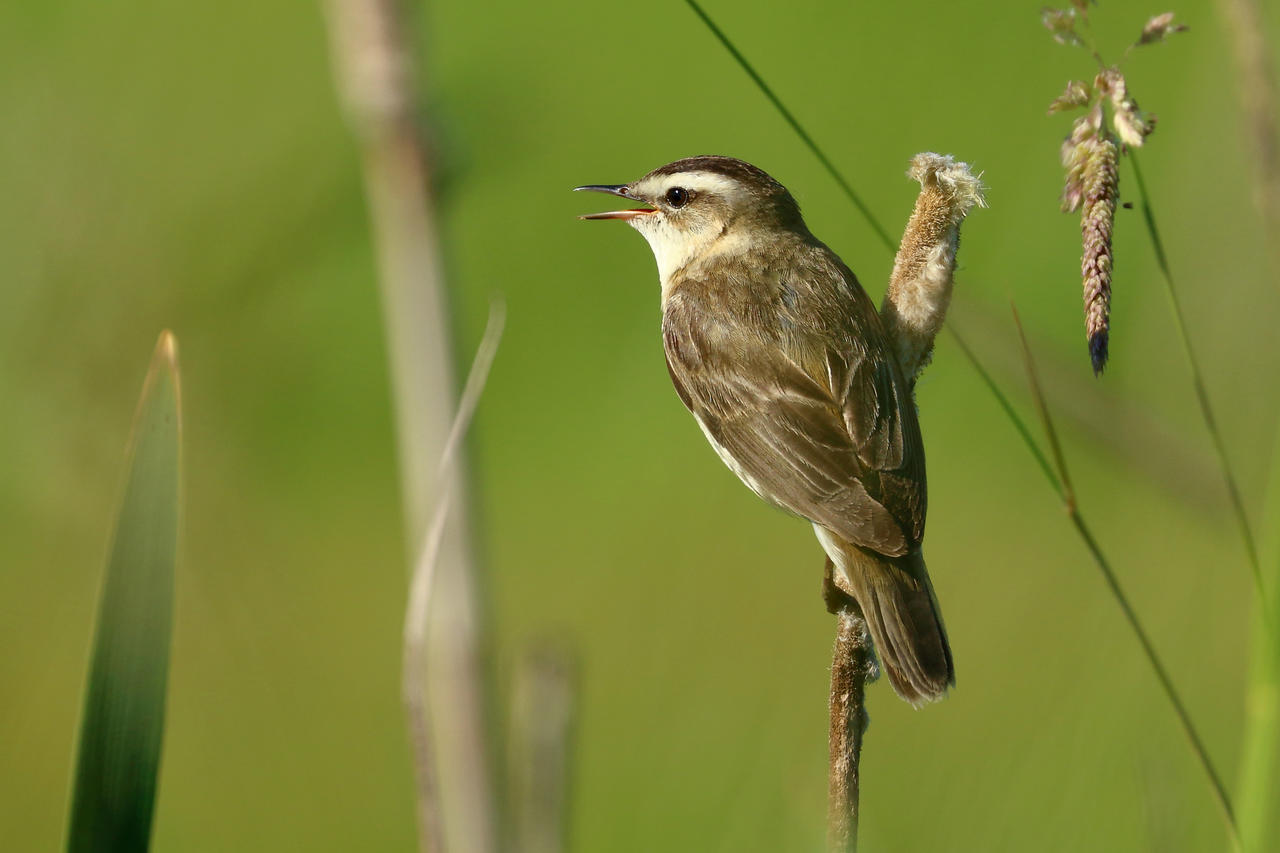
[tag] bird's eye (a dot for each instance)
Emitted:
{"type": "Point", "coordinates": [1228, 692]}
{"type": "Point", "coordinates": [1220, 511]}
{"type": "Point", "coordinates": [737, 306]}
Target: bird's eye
{"type": "Point", "coordinates": [677, 196]}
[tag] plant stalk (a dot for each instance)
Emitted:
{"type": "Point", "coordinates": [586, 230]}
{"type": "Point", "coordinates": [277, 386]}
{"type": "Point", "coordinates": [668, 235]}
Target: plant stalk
{"type": "Point", "coordinates": [416, 669]}
{"type": "Point", "coordinates": [374, 69]}
{"type": "Point", "coordinates": [1202, 397]}
{"type": "Point", "coordinates": [1117, 592]}
{"type": "Point", "coordinates": [851, 665]}
{"type": "Point", "coordinates": [795, 125]}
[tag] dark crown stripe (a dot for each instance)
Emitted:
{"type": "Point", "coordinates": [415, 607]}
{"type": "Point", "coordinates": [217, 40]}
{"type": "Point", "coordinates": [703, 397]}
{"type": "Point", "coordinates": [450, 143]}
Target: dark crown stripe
{"type": "Point", "coordinates": [727, 166]}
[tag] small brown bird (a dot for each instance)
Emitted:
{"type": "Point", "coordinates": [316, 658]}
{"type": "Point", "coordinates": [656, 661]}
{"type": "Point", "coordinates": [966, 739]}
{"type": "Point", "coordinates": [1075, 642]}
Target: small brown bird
{"type": "Point", "coordinates": [781, 357]}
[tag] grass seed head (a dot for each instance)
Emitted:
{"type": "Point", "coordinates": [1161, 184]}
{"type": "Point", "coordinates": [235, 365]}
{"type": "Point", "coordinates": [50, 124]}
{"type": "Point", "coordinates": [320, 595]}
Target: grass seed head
{"type": "Point", "coordinates": [1101, 180]}
{"type": "Point", "coordinates": [1111, 119]}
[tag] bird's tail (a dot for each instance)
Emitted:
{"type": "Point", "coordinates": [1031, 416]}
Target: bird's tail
{"type": "Point", "coordinates": [902, 614]}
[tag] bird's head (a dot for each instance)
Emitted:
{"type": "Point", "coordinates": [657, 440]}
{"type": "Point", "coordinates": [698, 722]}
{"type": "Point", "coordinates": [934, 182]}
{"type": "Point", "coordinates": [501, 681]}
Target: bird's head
{"type": "Point", "coordinates": [701, 205]}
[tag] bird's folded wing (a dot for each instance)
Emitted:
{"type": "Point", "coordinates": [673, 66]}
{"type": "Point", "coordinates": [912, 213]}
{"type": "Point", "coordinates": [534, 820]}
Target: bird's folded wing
{"type": "Point", "coordinates": [836, 442]}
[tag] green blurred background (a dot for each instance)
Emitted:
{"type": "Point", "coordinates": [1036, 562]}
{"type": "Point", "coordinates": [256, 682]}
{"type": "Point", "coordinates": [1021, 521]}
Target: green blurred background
{"type": "Point", "coordinates": [188, 166]}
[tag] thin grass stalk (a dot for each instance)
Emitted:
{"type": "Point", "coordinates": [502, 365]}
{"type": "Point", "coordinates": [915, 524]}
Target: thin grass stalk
{"type": "Point", "coordinates": [1113, 583]}
{"type": "Point", "coordinates": [1202, 397]}
{"type": "Point", "coordinates": [415, 674]}
{"type": "Point", "coordinates": [1023, 430]}
{"type": "Point", "coordinates": [375, 73]}
{"type": "Point", "coordinates": [791, 120]}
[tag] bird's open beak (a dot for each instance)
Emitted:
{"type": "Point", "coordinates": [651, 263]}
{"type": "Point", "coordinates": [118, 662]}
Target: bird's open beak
{"type": "Point", "coordinates": [618, 190]}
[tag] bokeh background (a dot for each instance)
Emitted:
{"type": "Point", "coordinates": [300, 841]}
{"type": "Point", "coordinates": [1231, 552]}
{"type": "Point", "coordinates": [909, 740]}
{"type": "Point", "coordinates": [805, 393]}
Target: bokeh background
{"type": "Point", "coordinates": [188, 166]}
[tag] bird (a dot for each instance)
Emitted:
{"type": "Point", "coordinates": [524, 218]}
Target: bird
{"type": "Point", "coordinates": [781, 357]}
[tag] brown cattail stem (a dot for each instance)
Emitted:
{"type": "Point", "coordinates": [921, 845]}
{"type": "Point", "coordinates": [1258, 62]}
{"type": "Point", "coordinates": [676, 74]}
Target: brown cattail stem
{"type": "Point", "coordinates": [852, 666]}
{"type": "Point", "coordinates": [919, 293]}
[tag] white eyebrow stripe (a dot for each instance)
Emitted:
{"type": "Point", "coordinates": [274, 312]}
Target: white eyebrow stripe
{"type": "Point", "coordinates": [704, 182]}
{"type": "Point", "coordinates": [710, 182]}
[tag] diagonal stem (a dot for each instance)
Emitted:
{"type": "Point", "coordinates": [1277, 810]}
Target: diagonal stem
{"type": "Point", "coordinates": [1009, 411]}
{"type": "Point", "coordinates": [796, 126]}
{"type": "Point", "coordinates": [1202, 396]}
{"type": "Point", "coordinates": [1117, 592]}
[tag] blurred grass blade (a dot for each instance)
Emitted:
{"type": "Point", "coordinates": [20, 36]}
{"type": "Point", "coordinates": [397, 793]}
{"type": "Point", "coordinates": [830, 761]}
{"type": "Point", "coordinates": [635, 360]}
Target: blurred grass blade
{"type": "Point", "coordinates": [1260, 761]}
{"type": "Point", "coordinates": [377, 59]}
{"type": "Point", "coordinates": [123, 721]}
{"type": "Point", "coordinates": [543, 708]}
{"type": "Point", "coordinates": [415, 673]}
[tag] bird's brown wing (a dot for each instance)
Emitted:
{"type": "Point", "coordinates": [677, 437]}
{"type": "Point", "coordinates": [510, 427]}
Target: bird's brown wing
{"type": "Point", "coordinates": [814, 419]}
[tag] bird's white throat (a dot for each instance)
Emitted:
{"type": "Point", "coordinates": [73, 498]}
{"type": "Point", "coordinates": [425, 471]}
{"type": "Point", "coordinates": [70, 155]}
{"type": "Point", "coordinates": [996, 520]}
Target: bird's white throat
{"type": "Point", "coordinates": [673, 248]}
{"type": "Point", "coordinates": [676, 249]}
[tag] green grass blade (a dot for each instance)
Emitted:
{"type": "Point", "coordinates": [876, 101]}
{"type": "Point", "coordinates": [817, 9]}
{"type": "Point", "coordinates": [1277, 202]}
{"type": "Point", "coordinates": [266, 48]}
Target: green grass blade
{"type": "Point", "coordinates": [123, 720]}
{"type": "Point", "coordinates": [790, 119]}
{"type": "Point", "coordinates": [1023, 432]}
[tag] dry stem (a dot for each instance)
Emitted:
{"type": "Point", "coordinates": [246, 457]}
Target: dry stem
{"type": "Point", "coordinates": [852, 665]}
{"type": "Point", "coordinates": [416, 666]}
{"type": "Point", "coordinates": [374, 73]}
